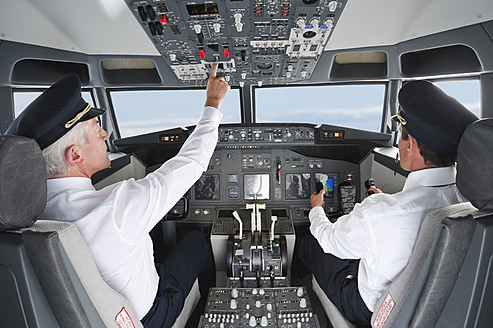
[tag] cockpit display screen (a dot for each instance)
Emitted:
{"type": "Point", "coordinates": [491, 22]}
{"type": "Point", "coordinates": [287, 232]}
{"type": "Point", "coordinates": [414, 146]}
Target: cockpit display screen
{"type": "Point", "coordinates": [330, 181]}
{"type": "Point", "coordinates": [202, 9]}
{"type": "Point", "coordinates": [297, 185]}
{"type": "Point", "coordinates": [256, 186]}
{"type": "Point", "coordinates": [207, 187]}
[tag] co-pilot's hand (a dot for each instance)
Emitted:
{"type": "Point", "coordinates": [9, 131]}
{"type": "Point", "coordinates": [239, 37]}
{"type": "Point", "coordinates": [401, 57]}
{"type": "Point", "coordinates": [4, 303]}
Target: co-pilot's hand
{"type": "Point", "coordinates": [373, 190]}
{"type": "Point", "coordinates": [217, 88]}
{"type": "Point", "coordinates": [317, 199]}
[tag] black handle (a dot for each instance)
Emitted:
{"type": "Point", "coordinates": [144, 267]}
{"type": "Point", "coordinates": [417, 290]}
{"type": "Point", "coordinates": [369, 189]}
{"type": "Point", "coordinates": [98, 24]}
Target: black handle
{"type": "Point", "coordinates": [368, 184]}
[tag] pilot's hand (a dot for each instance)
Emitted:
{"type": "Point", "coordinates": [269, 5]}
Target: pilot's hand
{"type": "Point", "coordinates": [217, 88]}
{"type": "Point", "coordinates": [373, 190]}
{"type": "Point", "coordinates": [317, 199]}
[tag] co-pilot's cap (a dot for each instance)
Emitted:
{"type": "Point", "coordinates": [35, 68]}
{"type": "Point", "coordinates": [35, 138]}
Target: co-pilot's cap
{"type": "Point", "coordinates": [432, 116]}
{"type": "Point", "coordinates": [54, 113]}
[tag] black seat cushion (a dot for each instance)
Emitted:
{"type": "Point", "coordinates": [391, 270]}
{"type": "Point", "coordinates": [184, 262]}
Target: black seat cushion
{"type": "Point", "coordinates": [22, 182]}
{"type": "Point", "coordinates": [475, 164]}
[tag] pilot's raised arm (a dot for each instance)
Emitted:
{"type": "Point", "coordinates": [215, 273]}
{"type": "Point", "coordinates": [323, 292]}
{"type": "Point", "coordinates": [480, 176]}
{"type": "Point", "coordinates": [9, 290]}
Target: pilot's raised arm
{"type": "Point", "coordinates": [116, 220]}
{"type": "Point", "coordinates": [356, 258]}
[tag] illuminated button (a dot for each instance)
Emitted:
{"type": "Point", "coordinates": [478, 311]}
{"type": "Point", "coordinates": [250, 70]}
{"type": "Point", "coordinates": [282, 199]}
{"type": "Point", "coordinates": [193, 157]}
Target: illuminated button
{"type": "Point", "coordinates": [202, 53]}
{"type": "Point", "coordinates": [226, 52]}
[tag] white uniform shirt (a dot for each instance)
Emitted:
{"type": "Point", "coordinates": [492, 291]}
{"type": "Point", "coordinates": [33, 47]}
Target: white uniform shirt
{"type": "Point", "coordinates": [382, 230]}
{"type": "Point", "coordinates": [115, 221]}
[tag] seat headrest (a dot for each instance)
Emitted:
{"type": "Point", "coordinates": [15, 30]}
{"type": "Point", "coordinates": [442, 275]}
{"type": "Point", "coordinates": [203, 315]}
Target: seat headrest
{"type": "Point", "coordinates": [22, 182]}
{"type": "Point", "coordinates": [475, 164]}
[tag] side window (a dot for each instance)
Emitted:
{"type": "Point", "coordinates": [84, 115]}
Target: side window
{"type": "Point", "coordinates": [468, 92]}
{"type": "Point", "coordinates": [23, 98]}
{"type": "Point", "coordinates": [357, 106]}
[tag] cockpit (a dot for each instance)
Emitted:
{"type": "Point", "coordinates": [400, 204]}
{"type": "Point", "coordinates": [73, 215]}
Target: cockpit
{"type": "Point", "coordinates": [314, 86]}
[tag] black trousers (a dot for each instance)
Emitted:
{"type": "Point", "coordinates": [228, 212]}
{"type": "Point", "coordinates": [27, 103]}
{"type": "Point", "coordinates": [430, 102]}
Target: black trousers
{"type": "Point", "coordinates": [191, 259]}
{"type": "Point", "coordinates": [337, 278]}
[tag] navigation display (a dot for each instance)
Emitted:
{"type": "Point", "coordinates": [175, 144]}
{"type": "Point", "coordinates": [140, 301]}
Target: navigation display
{"type": "Point", "coordinates": [207, 187]}
{"type": "Point", "coordinates": [256, 186]}
{"type": "Point", "coordinates": [297, 185]}
{"type": "Point", "coordinates": [330, 181]}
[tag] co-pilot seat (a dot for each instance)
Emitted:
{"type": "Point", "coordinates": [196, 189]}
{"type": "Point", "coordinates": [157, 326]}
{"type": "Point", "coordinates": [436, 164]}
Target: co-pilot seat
{"type": "Point", "coordinates": [47, 275]}
{"type": "Point", "coordinates": [447, 282]}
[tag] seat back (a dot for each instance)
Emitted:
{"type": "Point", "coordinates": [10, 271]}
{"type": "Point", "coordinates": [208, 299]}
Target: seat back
{"type": "Point", "coordinates": [47, 275]}
{"type": "Point", "coordinates": [448, 238]}
{"type": "Point", "coordinates": [471, 299]}
{"type": "Point", "coordinates": [436, 242]}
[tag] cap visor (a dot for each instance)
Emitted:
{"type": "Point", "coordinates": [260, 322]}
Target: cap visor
{"type": "Point", "coordinates": [92, 113]}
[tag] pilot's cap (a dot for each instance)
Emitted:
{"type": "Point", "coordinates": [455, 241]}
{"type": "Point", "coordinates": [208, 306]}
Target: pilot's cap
{"type": "Point", "coordinates": [433, 117]}
{"type": "Point", "coordinates": [54, 112]}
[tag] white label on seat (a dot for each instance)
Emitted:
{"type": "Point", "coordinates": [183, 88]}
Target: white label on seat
{"type": "Point", "coordinates": [384, 312]}
{"type": "Point", "coordinates": [123, 319]}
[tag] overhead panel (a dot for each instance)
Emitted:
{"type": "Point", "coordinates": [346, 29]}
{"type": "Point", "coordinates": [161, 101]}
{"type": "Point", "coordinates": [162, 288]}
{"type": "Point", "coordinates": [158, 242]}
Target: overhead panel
{"type": "Point", "coordinates": [258, 42]}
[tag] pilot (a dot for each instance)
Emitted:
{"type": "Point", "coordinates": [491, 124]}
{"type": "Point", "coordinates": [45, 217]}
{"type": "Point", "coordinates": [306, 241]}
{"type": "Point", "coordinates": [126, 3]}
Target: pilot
{"type": "Point", "coordinates": [356, 258]}
{"type": "Point", "coordinates": [115, 221]}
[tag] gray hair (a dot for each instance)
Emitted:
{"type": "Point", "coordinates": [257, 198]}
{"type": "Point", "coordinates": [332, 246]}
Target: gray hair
{"type": "Point", "coordinates": [54, 154]}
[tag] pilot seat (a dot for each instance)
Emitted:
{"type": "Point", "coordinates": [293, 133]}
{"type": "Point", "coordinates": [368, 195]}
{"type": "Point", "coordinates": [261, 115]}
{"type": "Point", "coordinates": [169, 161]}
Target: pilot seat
{"type": "Point", "coordinates": [47, 275]}
{"type": "Point", "coordinates": [447, 282]}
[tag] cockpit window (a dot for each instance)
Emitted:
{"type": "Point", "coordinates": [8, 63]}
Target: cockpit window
{"type": "Point", "coordinates": [353, 105]}
{"type": "Point", "coordinates": [24, 98]}
{"type": "Point", "coordinates": [465, 91]}
{"type": "Point", "coordinates": [143, 111]}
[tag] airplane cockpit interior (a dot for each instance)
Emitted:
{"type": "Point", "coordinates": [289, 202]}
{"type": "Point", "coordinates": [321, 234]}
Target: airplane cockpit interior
{"type": "Point", "coordinates": [314, 86]}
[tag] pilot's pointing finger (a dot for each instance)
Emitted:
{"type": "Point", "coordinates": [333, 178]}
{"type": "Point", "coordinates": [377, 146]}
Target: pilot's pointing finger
{"type": "Point", "coordinates": [214, 70]}
{"type": "Point", "coordinates": [217, 88]}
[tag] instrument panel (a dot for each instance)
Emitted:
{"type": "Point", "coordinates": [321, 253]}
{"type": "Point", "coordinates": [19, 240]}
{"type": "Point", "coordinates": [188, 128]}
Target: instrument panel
{"type": "Point", "coordinates": [256, 42]}
{"type": "Point", "coordinates": [275, 176]}
{"type": "Point", "coordinates": [277, 165]}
